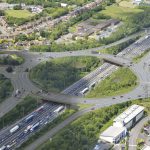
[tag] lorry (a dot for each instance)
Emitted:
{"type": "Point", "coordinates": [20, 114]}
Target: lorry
{"type": "Point", "coordinates": [84, 91]}
{"type": "Point", "coordinates": [59, 109]}
{"type": "Point", "coordinates": [14, 129]}
{"type": "Point", "coordinates": [34, 127]}
{"type": "Point", "coordinates": [3, 147]}
{"type": "Point", "coordinates": [29, 118]}
{"type": "Point", "coordinates": [92, 85]}
{"type": "Point", "coordinates": [40, 109]}
{"type": "Point", "coordinates": [28, 129]}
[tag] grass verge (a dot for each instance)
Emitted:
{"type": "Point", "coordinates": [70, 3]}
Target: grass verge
{"type": "Point", "coordinates": [121, 81]}
{"type": "Point", "coordinates": [23, 108]}
{"type": "Point", "coordinates": [19, 13]}
{"type": "Point", "coordinates": [118, 48]}
{"type": "Point", "coordinates": [6, 88]}
{"type": "Point", "coordinates": [138, 58]}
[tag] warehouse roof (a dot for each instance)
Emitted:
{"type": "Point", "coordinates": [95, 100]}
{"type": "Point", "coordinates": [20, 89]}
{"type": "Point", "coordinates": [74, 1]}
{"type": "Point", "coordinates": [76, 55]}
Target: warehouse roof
{"type": "Point", "coordinates": [146, 148]}
{"type": "Point", "coordinates": [113, 131]}
{"type": "Point", "coordinates": [129, 114]}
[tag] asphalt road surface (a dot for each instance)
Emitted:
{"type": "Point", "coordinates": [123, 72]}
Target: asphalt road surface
{"type": "Point", "coordinates": [135, 133]}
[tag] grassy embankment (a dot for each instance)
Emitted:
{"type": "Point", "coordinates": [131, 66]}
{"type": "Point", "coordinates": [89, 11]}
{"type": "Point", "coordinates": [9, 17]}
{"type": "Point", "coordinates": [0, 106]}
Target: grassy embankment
{"type": "Point", "coordinates": [138, 58]}
{"type": "Point", "coordinates": [121, 81]}
{"type": "Point", "coordinates": [118, 48]}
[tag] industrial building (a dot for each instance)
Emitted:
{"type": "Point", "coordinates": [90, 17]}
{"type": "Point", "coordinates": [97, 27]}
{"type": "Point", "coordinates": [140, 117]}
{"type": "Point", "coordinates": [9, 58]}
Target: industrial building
{"type": "Point", "coordinates": [122, 123]}
{"type": "Point", "coordinates": [129, 117]}
{"type": "Point", "coordinates": [88, 27]}
{"type": "Point", "coordinates": [113, 134]}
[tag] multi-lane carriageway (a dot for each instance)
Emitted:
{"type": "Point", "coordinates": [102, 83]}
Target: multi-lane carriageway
{"type": "Point", "coordinates": [13, 136]}
{"type": "Point", "coordinates": [15, 139]}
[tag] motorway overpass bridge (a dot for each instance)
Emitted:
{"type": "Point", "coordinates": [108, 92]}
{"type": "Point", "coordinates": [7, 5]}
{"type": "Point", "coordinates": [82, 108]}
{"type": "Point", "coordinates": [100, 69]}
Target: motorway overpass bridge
{"type": "Point", "coordinates": [116, 60]}
{"type": "Point", "coordinates": [113, 59]}
{"type": "Point", "coordinates": [59, 98]}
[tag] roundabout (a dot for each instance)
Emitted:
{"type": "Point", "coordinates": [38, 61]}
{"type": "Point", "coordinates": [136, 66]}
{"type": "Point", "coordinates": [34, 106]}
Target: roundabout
{"type": "Point", "coordinates": [20, 80]}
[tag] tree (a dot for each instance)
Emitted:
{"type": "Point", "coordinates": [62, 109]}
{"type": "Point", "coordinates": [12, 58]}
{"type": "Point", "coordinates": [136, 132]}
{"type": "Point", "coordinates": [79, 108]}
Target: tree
{"type": "Point", "coordinates": [9, 69]}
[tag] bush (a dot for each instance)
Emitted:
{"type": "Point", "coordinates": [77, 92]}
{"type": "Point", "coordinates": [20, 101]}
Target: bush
{"type": "Point", "coordinates": [5, 87]}
{"type": "Point", "coordinates": [60, 73]}
{"type": "Point", "coordinates": [9, 69]}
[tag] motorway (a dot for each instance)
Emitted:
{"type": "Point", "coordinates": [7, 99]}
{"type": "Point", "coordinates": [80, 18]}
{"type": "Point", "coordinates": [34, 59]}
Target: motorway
{"type": "Point", "coordinates": [26, 125]}
{"type": "Point", "coordinates": [21, 81]}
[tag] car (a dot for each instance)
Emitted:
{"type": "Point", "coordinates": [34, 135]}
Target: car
{"type": "Point", "coordinates": [41, 121]}
{"type": "Point", "coordinates": [93, 108]}
{"type": "Point", "coordinates": [145, 129]}
{"type": "Point", "coordinates": [46, 122]}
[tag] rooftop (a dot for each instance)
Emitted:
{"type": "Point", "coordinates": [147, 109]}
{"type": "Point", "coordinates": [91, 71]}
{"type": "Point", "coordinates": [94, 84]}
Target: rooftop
{"type": "Point", "coordinates": [113, 131]}
{"type": "Point", "coordinates": [129, 114]}
{"type": "Point", "coordinates": [146, 148]}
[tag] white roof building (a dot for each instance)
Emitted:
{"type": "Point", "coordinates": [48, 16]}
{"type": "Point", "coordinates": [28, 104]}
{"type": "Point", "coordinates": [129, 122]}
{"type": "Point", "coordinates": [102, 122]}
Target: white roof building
{"type": "Point", "coordinates": [127, 116]}
{"type": "Point", "coordinates": [113, 134]}
{"type": "Point", "coordinates": [124, 121]}
{"type": "Point", "coordinates": [63, 4]}
{"type": "Point", "coordinates": [146, 148]}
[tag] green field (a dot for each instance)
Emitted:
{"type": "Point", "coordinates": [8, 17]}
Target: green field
{"type": "Point", "coordinates": [126, 4]}
{"type": "Point", "coordinates": [19, 13]}
{"type": "Point", "coordinates": [56, 12]}
{"type": "Point", "coordinates": [56, 75]}
{"type": "Point", "coordinates": [121, 81]}
{"type": "Point", "coordinates": [119, 12]}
